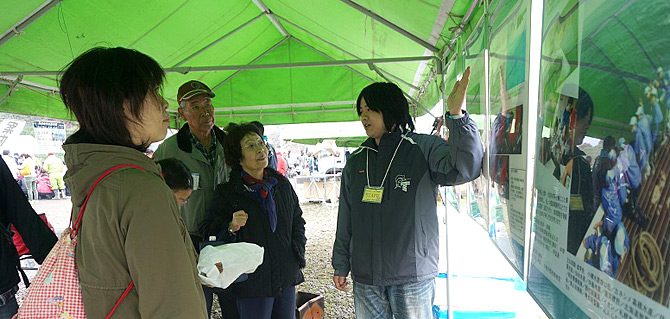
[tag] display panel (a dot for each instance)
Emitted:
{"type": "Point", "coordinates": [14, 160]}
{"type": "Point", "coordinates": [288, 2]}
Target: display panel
{"type": "Point", "coordinates": [601, 220]}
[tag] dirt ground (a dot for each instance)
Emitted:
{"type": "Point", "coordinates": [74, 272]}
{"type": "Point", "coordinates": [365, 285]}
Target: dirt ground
{"type": "Point", "coordinates": [320, 231]}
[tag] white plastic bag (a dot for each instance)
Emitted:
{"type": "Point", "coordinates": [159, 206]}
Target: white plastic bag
{"type": "Point", "coordinates": [220, 266]}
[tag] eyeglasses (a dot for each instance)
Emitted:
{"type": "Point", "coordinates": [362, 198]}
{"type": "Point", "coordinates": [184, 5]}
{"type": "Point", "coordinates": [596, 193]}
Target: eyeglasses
{"type": "Point", "coordinates": [259, 144]}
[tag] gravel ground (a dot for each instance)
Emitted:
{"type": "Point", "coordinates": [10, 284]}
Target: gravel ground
{"type": "Point", "coordinates": [321, 220]}
{"type": "Point", "coordinates": [320, 231]}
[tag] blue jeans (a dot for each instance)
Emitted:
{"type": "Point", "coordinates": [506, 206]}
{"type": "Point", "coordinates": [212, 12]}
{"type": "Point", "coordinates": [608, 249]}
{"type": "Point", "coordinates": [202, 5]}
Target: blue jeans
{"type": "Point", "coordinates": [282, 307]}
{"type": "Point", "coordinates": [8, 307]}
{"type": "Point", "coordinates": [408, 301]}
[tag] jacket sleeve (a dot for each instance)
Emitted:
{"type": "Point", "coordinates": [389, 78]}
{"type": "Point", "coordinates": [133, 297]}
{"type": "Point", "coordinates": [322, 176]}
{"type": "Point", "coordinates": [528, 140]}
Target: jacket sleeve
{"type": "Point", "coordinates": [341, 252]}
{"type": "Point", "coordinates": [13, 203]}
{"type": "Point", "coordinates": [298, 240]}
{"type": "Point", "coordinates": [159, 253]}
{"type": "Point", "coordinates": [218, 216]}
{"type": "Point", "coordinates": [457, 161]}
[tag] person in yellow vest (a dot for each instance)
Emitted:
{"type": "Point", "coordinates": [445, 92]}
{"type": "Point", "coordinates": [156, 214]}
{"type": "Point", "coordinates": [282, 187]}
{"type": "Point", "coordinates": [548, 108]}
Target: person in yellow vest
{"type": "Point", "coordinates": [29, 176]}
{"type": "Point", "coordinates": [55, 167]}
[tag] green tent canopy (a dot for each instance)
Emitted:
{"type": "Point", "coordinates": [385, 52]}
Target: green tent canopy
{"type": "Point", "coordinates": [302, 61]}
{"type": "Point", "coordinates": [277, 61]}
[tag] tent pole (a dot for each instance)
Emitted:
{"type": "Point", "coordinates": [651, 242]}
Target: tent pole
{"type": "Point", "coordinates": [372, 66]}
{"type": "Point", "coordinates": [329, 57]}
{"type": "Point", "coordinates": [11, 89]}
{"type": "Point", "coordinates": [25, 22]}
{"type": "Point", "coordinates": [28, 84]}
{"type": "Point", "coordinates": [438, 26]}
{"type": "Point", "coordinates": [271, 16]}
{"type": "Point", "coordinates": [391, 25]}
{"type": "Point", "coordinates": [282, 106]}
{"type": "Point", "coordinates": [292, 113]}
{"type": "Point", "coordinates": [459, 31]}
{"type": "Point", "coordinates": [332, 45]}
{"type": "Point", "coordinates": [187, 69]}
{"type": "Point", "coordinates": [413, 87]}
{"type": "Point", "coordinates": [293, 65]}
{"type": "Point", "coordinates": [214, 88]}
{"type": "Point", "coordinates": [409, 97]}
{"type": "Point", "coordinates": [225, 36]}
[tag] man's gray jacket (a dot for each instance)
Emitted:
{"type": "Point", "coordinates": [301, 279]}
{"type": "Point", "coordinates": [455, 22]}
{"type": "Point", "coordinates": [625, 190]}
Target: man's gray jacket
{"type": "Point", "coordinates": [179, 146]}
{"type": "Point", "coordinates": [396, 242]}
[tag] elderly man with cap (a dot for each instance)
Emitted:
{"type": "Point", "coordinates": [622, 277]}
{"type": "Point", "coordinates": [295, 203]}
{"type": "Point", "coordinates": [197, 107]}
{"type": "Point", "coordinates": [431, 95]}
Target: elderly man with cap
{"type": "Point", "coordinates": [199, 145]}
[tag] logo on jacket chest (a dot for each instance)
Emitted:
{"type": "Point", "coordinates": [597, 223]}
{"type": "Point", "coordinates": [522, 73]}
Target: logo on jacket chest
{"type": "Point", "coordinates": [402, 182]}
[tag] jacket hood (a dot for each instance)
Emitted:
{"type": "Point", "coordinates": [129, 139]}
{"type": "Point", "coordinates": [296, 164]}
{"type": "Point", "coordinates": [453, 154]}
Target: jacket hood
{"type": "Point", "coordinates": [86, 162]}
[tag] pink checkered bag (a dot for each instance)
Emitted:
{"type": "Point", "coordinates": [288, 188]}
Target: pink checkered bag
{"type": "Point", "coordinates": [55, 291]}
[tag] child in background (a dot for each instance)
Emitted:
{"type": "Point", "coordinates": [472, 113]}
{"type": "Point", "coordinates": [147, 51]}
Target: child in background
{"type": "Point", "coordinates": [178, 177]}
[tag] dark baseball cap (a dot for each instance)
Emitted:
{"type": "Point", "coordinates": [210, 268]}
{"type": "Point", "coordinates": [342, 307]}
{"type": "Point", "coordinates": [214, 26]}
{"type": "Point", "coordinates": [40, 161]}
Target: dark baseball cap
{"type": "Point", "coordinates": [191, 89]}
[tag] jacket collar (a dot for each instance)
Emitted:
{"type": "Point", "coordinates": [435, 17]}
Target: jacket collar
{"type": "Point", "coordinates": [238, 184]}
{"type": "Point", "coordinates": [388, 139]}
{"type": "Point", "coordinates": [184, 137]}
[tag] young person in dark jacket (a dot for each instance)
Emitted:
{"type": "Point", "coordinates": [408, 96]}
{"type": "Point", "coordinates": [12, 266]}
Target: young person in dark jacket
{"type": "Point", "coordinates": [387, 228]}
{"type": "Point", "coordinates": [16, 210]}
{"type": "Point", "coordinates": [258, 205]}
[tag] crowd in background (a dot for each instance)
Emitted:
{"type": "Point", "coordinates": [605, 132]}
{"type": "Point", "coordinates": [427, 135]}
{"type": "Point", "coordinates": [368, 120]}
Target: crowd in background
{"type": "Point", "coordinates": [38, 179]}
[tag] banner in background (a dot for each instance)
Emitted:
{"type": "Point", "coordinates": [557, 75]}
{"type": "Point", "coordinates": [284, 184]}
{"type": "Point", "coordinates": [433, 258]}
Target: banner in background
{"type": "Point", "coordinates": [50, 135]}
{"type": "Point", "coordinates": [9, 128]}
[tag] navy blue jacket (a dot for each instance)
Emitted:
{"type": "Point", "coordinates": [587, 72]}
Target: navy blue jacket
{"type": "Point", "coordinates": [284, 255]}
{"type": "Point", "coordinates": [396, 242]}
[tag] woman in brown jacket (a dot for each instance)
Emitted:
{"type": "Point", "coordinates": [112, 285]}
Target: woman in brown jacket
{"type": "Point", "coordinates": [131, 229]}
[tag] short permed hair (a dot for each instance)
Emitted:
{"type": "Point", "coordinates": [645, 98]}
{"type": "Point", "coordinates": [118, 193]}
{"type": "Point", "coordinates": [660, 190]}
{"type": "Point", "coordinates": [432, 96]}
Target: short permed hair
{"type": "Point", "coordinates": [231, 144]}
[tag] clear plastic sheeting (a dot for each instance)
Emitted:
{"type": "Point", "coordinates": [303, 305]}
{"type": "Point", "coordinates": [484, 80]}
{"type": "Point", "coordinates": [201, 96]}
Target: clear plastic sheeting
{"type": "Point", "coordinates": [508, 127]}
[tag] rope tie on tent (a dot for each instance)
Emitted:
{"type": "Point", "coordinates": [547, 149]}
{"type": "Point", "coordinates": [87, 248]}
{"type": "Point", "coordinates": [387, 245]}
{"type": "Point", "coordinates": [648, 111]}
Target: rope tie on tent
{"type": "Point", "coordinates": [647, 265]}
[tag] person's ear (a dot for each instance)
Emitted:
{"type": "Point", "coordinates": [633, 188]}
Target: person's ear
{"type": "Point", "coordinates": [180, 112]}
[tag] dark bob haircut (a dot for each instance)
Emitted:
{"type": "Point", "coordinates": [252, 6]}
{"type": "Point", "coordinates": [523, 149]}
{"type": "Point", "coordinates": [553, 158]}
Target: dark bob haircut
{"type": "Point", "coordinates": [584, 105]}
{"type": "Point", "coordinates": [234, 136]}
{"type": "Point", "coordinates": [387, 99]}
{"type": "Point", "coordinates": [95, 86]}
{"type": "Point", "coordinates": [177, 176]}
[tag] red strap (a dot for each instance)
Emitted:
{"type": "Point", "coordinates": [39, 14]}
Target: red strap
{"type": "Point", "coordinates": [123, 296]}
{"type": "Point", "coordinates": [77, 223]}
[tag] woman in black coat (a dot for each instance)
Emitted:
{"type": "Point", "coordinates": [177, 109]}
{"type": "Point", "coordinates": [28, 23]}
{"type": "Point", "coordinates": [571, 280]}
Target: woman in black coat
{"type": "Point", "coordinates": [258, 205]}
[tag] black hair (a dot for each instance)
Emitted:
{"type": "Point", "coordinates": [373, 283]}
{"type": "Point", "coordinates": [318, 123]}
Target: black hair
{"type": "Point", "coordinates": [232, 142]}
{"type": "Point", "coordinates": [177, 176]}
{"type": "Point", "coordinates": [609, 143]}
{"type": "Point", "coordinates": [584, 105]}
{"type": "Point", "coordinates": [260, 127]}
{"type": "Point", "coordinates": [388, 99]}
{"type": "Point", "coordinates": [95, 86]}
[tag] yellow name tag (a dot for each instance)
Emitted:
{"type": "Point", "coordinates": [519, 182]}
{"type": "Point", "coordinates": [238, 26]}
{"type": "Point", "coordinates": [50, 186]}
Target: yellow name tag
{"type": "Point", "coordinates": [576, 202]}
{"type": "Point", "coordinates": [373, 195]}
